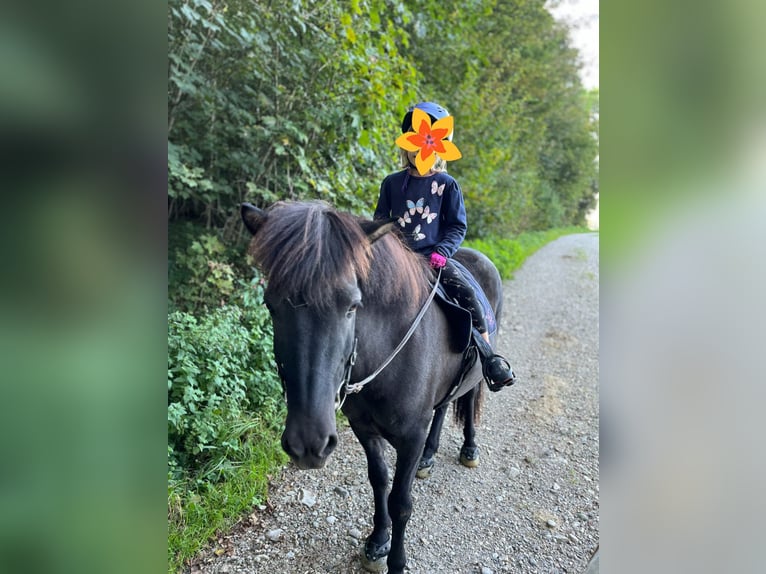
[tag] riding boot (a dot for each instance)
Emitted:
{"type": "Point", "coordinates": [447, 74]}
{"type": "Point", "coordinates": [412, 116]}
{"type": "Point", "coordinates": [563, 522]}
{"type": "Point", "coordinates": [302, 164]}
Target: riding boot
{"type": "Point", "coordinates": [496, 369]}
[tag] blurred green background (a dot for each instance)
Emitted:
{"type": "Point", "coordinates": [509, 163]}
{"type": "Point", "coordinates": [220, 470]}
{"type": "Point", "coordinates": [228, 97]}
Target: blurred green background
{"type": "Point", "coordinates": [683, 200]}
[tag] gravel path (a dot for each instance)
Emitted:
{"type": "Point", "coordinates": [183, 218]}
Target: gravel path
{"type": "Point", "coordinates": [531, 505]}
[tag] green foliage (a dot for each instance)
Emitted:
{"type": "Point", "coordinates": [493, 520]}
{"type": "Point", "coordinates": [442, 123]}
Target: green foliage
{"type": "Point", "coordinates": [197, 510]}
{"type": "Point", "coordinates": [297, 102]}
{"type": "Point", "coordinates": [523, 121]}
{"type": "Point", "coordinates": [208, 278]}
{"type": "Point", "coordinates": [225, 407]}
{"type": "Point", "coordinates": [202, 273]}
{"type": "Point", "coordinates": [305, 101]}
{"type": "Point", "coordinates": [220, 373]}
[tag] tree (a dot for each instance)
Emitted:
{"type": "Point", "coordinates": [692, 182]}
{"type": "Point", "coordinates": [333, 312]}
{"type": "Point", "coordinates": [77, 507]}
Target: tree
{"type": "Point", "coordinates": [304, 102]}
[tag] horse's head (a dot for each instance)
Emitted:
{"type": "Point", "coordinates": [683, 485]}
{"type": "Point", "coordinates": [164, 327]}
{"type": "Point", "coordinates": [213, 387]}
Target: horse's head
{"type": "Point", "coordinates": [314, 259]}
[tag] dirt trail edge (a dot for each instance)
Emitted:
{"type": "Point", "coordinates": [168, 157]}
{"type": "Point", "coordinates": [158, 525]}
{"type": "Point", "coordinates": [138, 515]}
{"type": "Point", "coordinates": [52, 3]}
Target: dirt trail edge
{"type": "Point", "coordinates": [532, 505]}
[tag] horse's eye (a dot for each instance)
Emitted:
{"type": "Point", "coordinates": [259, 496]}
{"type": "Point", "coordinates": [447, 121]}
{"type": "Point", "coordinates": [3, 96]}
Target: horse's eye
{"type": "Point", "coordinates": [352, 309]}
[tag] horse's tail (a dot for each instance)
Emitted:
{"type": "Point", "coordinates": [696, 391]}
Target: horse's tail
{"type": "Point", "coordinates": [498, 313]}
{"type": "Point", "coordinates": [469, 402]}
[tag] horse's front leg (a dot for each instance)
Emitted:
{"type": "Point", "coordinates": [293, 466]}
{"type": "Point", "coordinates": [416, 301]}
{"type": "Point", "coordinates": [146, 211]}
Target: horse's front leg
{"type": "Point", "coordinates": [426, 464]}
{"type": "Point", "coordinates": [400, 500]}
{"type": "Point", "coordinates": [378, 543]}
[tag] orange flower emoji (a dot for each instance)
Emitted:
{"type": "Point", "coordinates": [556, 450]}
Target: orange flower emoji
{"type": "Point", "coordinates": [429, 140]}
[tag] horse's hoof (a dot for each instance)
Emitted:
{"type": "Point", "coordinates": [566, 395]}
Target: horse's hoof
{"type": "Point", "coordinates": [469, 456]}
{"type": "Point", "coordinates": [374, 555]}
{"type": "Point", "coordinates": [425, 467]}
{"type": "Point", "coordinates": [378, 565]}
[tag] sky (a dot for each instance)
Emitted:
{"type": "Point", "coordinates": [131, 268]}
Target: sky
{"type": "Point", "coordinates": [582, 16]}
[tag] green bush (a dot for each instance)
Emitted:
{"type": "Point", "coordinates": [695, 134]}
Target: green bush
{"type": "Point", "coordinates": [220, 374]}
{"type": "Point", "coordinates": [202, 273]}
{"type": "Point", "coordinates": [225, 411]}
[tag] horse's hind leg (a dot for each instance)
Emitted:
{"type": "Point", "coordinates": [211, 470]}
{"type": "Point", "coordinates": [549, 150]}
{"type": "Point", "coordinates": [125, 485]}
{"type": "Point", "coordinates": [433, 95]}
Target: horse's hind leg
{"type": "Point", "coordinates": [469, 452]}
{"type": "Point", "coordinates": [426, 464]}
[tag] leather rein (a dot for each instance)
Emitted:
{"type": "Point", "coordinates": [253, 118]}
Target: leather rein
{"type": "Point", "coordinates": [346, 387]}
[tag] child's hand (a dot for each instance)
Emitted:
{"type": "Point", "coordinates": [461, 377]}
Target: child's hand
{"type": "Point", "coordinates": [438, 261]}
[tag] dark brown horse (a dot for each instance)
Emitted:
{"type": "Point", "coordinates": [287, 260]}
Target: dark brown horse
{"type": "Point", "coordinates": [342, 293]}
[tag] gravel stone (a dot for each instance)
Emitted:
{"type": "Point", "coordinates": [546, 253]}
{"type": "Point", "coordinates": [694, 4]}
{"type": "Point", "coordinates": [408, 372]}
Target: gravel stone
{"type": "Point", "coordinates": [341, 491]}
{"type": "Point", "coordinates": [308, 498]}
{"type": "Point", "coordinates": [355, 533]}
{"type": "Point", "coordinates": [275, 534]}
{"type": "Point", "coordinates": [546, 425]}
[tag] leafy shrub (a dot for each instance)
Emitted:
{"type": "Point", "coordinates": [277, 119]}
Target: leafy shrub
{"type": "Point", "coordinates": [201, 272]}
{"type": "Point", "coordinates": [220, 375]}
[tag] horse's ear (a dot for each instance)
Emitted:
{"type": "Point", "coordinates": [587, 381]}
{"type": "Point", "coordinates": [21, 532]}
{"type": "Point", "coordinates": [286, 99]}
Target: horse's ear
{"type": "Point", "coordinates": [253, 217]}
{"type": "Point", "coordinates": [377, 228]}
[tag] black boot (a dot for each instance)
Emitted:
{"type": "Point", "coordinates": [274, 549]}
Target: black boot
{"type": "Point", "coordinates": [496, 369]}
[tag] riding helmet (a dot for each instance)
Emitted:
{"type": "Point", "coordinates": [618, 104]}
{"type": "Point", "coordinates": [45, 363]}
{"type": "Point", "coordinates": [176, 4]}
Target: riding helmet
{"type": "Point", "coordinates": [434, 110]}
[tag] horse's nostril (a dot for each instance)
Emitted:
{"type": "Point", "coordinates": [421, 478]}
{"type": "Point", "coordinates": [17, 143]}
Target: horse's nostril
{"type": "Point", "coordinates": [332, 442]}
{"type": "Point", "coordinates": [299, 447]}
{"type": "Point", "coordinates": [287, 447]}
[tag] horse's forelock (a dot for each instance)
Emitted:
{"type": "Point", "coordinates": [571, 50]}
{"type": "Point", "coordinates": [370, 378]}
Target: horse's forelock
{"type": "Point", "coordinates": [307, 250]}
{"type": "Point", "coordinates": [352, 242]}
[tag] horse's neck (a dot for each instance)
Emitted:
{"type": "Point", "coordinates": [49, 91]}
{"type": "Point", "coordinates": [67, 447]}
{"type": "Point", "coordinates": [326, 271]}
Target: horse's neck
{"type": "Point", "coordinates": [381, 328]}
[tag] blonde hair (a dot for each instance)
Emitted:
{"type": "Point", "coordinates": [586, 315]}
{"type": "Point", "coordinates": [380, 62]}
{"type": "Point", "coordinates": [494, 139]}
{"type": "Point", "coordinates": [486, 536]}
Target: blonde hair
{"type": "Point", "coordinates": [439, 164]}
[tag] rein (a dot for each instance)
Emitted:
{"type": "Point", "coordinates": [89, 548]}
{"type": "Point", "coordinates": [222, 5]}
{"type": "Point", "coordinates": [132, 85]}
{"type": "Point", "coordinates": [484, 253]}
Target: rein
{"type": "Point", "coordinates": [346, 387]}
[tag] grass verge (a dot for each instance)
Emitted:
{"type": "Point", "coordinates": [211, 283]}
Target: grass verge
{"type": "Point", "coordinates": [509, 253]}
{"type": "Point", "coordinates": [201, 508]}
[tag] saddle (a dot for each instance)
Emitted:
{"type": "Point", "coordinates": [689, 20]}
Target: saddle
{"type": "Point", "coordinates": [461, 330]}
{"type": "Point", "coordinates": [459, 320]}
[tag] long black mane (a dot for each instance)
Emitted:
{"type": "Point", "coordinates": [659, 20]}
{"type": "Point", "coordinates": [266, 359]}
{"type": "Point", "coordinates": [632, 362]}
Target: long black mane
{"type": "Point", "coordinates": [308, 249]}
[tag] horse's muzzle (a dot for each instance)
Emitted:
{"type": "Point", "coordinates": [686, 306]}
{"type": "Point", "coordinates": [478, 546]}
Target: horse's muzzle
{"type": "Point", "coordinates": [308, 451]}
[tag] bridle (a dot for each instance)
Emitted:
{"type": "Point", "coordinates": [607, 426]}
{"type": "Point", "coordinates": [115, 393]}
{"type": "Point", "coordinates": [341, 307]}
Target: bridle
{"type": "Point", "coordinates": [346, 387]}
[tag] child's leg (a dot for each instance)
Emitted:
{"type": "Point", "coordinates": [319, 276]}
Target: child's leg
{"type": "Point", "coordinates": [458, 288]}
{"type": "Point", "coordinates": [495, 368]}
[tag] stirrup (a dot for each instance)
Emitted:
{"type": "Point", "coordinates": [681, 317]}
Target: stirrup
{"type": "Point", "coordinates": [493, 385]}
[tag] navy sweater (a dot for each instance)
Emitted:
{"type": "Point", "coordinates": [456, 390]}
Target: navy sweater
{"type": "Point", "coordinates": [430, 211]}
